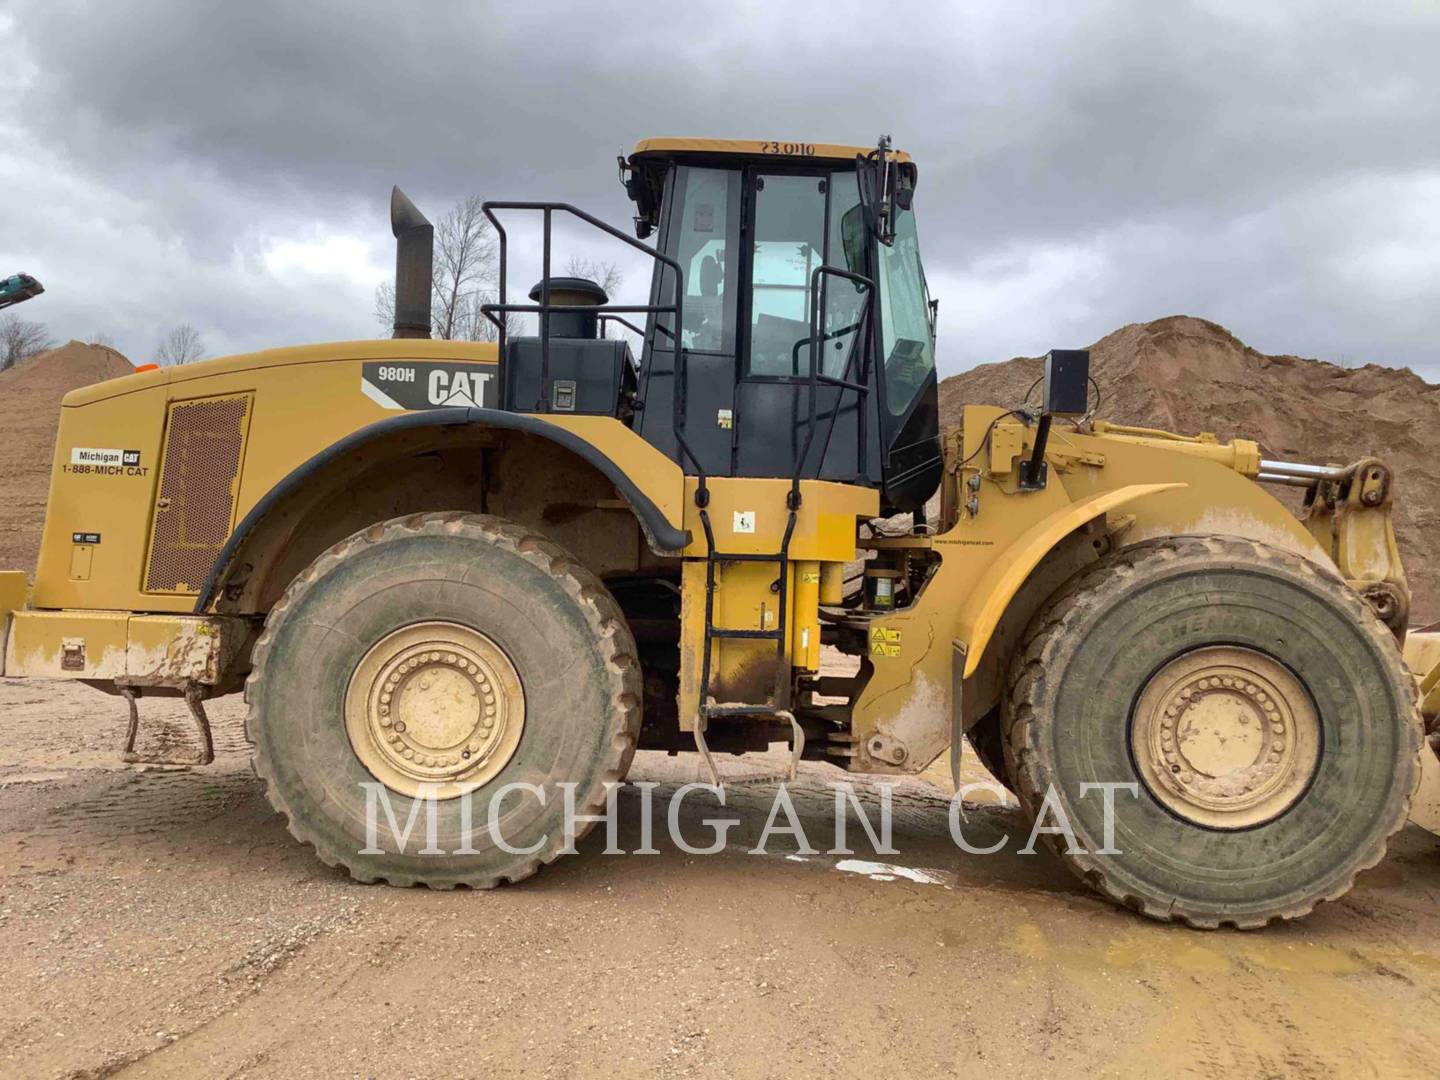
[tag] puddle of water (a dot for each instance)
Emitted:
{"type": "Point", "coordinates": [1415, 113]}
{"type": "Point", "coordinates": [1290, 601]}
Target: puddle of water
{"type": "Point", "coordinates": [1187, 956]}
{"type": "Point", "coordinates": [1299, 959]}
{"type": "Point", "coordinates": [1029, 940]}
{"type": "Point", "coordinates": [1168, 949]}
{"type": "Point", "coordinates": [1425, 961]}
{"type": "Point", "coordinates": [878, 871]}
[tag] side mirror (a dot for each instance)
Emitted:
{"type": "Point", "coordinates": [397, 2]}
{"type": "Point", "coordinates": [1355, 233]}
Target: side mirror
{"type": "Point", "coordinates": [884, 191]}
{"type": "Point", "coordinates": [877, 190]}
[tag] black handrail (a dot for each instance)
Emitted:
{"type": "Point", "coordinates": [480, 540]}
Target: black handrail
{"type": "Point", "coordinates": [862, 392]}
{"type": "Point", "coordinates": [829, 336]}
{"type": "Point", "coordinates": [603, 319]}
{"type": "Point", "coordinates": [495, 312]}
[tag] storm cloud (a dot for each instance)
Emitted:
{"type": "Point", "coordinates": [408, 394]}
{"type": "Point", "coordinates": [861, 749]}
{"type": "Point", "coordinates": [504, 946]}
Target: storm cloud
{"type": "Point", "coordinates": [1272, 167]}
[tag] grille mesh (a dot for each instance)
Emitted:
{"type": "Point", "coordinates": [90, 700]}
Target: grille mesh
{"type": "Point", "coordinates": [196, 504]}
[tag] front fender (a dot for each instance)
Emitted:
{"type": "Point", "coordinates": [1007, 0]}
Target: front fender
{"type": "Point", "coordinates": [981, 610]}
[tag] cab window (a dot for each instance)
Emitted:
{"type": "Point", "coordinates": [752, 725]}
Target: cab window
{"type": "Point", "coordinates": [703, 242]}
{"type": "Point", "coordinates": [909, 348]}
{"type": "Point", "coordinates": [790, 242]}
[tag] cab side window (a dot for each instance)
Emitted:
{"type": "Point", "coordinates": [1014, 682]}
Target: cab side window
{"type": "Point", "coordinates": [789, 244]}
{"type": "Point", "coordinates": [909, 350]}
{"type": "Point", "coordinates": [704, 240]}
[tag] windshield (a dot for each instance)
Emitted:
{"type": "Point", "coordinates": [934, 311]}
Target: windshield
{"type": "Point", "coordinates": [909, 345]}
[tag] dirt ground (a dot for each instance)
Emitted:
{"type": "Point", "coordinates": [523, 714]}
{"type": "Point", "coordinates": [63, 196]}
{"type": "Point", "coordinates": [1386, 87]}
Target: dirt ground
{"type": "Point", "coordinates": [162, 922]}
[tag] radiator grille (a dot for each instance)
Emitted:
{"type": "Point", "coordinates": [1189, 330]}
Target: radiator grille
{"type": "Point", "coordinates": [195, 508]}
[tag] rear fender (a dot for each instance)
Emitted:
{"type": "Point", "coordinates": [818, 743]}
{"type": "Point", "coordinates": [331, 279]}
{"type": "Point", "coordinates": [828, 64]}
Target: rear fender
{"type": "Point", "coordinates": [651, 484]}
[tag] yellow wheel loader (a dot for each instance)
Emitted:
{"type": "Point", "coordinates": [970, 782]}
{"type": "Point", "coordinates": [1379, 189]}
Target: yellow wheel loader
{"type": "Point", "coordinates": [444, 569]}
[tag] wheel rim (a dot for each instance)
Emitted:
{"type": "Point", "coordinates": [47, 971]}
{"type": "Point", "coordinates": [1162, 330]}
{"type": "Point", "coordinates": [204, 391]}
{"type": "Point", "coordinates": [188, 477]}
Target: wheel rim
{"type": "Point", "coordinates": [1225, 737]}
{"type": "Point", "coordinates": [435, 704]}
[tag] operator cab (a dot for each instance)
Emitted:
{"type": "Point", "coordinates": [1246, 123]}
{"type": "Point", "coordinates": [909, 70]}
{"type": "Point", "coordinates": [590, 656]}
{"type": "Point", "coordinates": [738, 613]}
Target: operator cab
{"type": "Point", "coordinates": [779, 244]}
{"type": "Point", "coordinates": [805, 346]}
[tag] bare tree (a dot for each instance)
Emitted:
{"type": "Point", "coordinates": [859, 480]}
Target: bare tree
{"type": "Point", "coordinates": [105, 341]}
{"type": "Point", "coordinates": [466, 255]}
{"type": "Point", "coordinates": [472, 324]}
{"type": "Point", "coordinates": [605, 274]}
{"type": "Point", "coordinates": [21, 339]}
{"type": "Point", "coordinates": [180, 346]}
{"type": "Point", "coordinates": [465, 263]}
{"type": "Point", "coordinates": [385, 304]}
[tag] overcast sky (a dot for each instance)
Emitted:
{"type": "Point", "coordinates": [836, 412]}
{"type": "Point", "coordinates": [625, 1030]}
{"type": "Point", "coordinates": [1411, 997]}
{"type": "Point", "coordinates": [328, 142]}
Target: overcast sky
{"type": "Point", "coordinates": [1274, 167]}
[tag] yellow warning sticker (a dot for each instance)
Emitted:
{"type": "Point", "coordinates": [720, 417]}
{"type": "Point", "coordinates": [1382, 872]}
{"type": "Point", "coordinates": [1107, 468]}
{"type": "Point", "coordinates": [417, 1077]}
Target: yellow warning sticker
{"type": "Point", "coordinates": [810, 577]}
{"type": "Point", "coordinates": [884, 641]}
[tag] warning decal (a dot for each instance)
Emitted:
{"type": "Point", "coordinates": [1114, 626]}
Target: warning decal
{"type": "Point", "coordinates": [884, 641]}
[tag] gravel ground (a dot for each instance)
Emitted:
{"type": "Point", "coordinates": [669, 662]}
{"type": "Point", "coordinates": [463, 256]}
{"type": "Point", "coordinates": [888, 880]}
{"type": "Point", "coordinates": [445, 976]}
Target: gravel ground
{"type": "Point", "coordinates": [162, 922]}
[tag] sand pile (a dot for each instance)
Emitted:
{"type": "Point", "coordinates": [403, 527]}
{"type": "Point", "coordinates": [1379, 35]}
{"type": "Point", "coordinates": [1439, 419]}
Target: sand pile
{"type": "Point", "coordinates": [30, 394]}
{"type": "Point", "coordinates": [1189, 375]}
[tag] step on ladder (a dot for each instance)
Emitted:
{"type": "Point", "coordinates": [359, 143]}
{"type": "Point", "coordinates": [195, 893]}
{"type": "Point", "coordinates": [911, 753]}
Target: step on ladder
{"type": "Point", "coordinates": [779, 704]}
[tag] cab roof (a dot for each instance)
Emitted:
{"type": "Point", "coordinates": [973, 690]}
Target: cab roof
{"type": "Point", "coordinates": [669, 147]}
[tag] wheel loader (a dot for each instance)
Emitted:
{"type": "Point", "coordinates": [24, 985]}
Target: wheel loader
{"type": "Point", "coordinates": [444, 568]}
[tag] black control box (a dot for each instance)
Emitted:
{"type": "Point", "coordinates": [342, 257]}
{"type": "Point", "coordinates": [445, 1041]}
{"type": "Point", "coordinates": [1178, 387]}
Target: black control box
{"type": "Point", "coordinates": [1067, 382]}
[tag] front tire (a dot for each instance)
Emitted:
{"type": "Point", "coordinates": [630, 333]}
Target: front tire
{"type": "Point", "coordinates": [431, 654]}
{"type": "Point", "coordinates": [1261, 712]}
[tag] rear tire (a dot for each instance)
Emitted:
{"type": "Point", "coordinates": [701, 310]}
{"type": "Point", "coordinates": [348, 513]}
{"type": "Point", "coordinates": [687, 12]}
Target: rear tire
{"type": "Point", "coordinates": [463, 613]}
{"type": "Point", "coordinates": [1261, 711]}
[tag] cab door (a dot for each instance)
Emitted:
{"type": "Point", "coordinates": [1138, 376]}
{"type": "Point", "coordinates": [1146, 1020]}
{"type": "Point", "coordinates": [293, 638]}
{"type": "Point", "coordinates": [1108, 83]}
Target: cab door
{"type": "Point", "coordinates": [794, 222]}
{"type": "Point", "coordinates": [748, 240]}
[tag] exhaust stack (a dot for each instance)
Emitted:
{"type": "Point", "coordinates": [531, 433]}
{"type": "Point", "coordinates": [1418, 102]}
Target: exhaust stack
{"type": "Point", "coordinates": [414, 266]}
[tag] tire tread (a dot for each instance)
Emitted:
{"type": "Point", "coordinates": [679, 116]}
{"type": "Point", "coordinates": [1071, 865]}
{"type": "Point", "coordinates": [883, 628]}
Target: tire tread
{"type": "Point", "coordinates": [600, 610]}
{"type": "Point", "coordinates": [1056, 628]}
